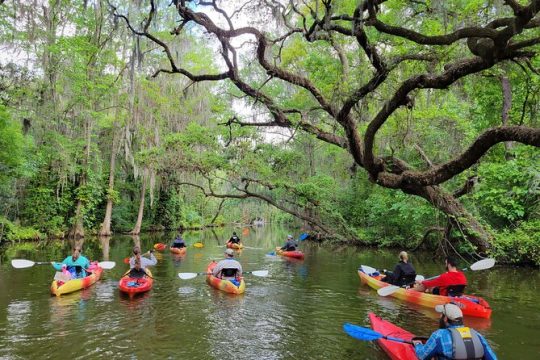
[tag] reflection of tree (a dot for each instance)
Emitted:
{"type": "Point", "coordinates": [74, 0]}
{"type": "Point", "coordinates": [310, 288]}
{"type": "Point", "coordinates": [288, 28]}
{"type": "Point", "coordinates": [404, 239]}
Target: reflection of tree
{"type": "Point", "coordinates": [105, 240]}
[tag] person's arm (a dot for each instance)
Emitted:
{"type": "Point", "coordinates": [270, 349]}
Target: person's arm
{"type": "Point", "coordinates": [429, 349]}
{"type": "Point", "coordinates": [132, 262]}
{"type": "Point", "coordinates": [149, 262]}
{"type": "Point", "coordinates": [439, 281]}
{"type": "Point", "coordinates": [85, 263]}
{"type": "Point", "coordinates": [488, 352]}
{"type": "Point", "coordinates": [396, 274]}
{"type": "Point", "coordinates": [284, 247]}
{"type": "Point", "coordinates": [239, 269]}
{"type": "Point", "coordinates": [57, 265]}
{"type": "Point", "coordinates": [217, 269]}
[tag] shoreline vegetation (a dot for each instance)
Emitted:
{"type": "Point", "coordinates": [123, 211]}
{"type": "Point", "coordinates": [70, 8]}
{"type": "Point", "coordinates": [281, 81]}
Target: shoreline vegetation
{"type": "Point", "coordinates": [119, 117]}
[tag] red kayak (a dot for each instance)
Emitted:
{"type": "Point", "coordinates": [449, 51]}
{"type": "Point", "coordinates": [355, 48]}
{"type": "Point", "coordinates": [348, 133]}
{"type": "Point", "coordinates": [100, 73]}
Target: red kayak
{"type": "Point", "coordinates": [292, 254]}
{"type": "Point", "coordinates": [160, 246]}
{"type": "Point", "coordinates": [395, 350]}
{"type": "Point", "coordinates": [132, 286]}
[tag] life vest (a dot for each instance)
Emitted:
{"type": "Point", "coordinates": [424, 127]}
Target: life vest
{"type": "Point", "coordinates": [466, 344]}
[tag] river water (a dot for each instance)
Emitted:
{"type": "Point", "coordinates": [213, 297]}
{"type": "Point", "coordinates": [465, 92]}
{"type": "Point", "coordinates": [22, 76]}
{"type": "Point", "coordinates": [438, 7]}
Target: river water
{"type": "Point", "coordinates": [295, 313]}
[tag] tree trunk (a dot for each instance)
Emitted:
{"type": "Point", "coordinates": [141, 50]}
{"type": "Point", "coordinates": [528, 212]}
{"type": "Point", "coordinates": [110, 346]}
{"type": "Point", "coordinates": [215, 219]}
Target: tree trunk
{"type": "Point", "coordinates": [105, 246]}
{"type": "Point", "coordinates": [106, 224]}
{"type": "Point", "coordinates": [474, 231]}
{"type": "Point", "coordinates": [137, 229]}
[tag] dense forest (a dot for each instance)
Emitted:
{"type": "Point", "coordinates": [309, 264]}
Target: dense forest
{"type": "Point", "coordinates": [386, 123]}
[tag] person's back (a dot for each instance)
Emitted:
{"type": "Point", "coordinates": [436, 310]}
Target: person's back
{"type": "Point", "coordinates": [290, 245]}
{"type": "Point", "coordinates": [452, 278]}
{"type": "Point", "coordinates": [454, 341]}
{"type": "Point", "coordinates": [404, 274]}
{"type": "Point", "coordinates": [228, 268]}
{"type": "Point", "coordinates": [234, 239]}
{"type": "Point", "coordinates": [178, 242]}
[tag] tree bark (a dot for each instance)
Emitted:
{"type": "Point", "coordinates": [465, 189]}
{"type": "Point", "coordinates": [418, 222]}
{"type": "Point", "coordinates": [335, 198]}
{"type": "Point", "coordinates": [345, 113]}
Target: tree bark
{"type": "Point", "coordinates": [106, 224]}
{"type": "Point", "coordinates": [137, 229]}
{"type": "Point", "coordinates": [507, 105]}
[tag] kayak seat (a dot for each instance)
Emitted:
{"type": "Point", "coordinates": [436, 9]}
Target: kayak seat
{"type": "Point", "coordinates": [456, 290]}
{"type": "Point", "coordinates": [137, 274]}
{"type": "Point", "coordinates": [229, 273]}
{"type": "Point", "coordinates": [406, 280]}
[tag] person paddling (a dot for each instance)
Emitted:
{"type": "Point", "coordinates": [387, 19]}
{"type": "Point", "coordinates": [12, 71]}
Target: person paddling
{"type": "Point", "coordinates": [403, 274]}
{"type": "Point", "coordinates": [76, 264]}
{"type": "Point", "coordinates": [290, 245]}
{"type": "Point", "coordinates": [451, 283]}
{"type": "Point", "coordinates": [143, 261]}
{"type": "Point", "coordinates": [178, 242]}
{"type": "Point", "coordinates": [453, 340]}
{"type": "Point", "coordinates": [234, 239]}
{"type": "Point", "coordinates": [228, 268]}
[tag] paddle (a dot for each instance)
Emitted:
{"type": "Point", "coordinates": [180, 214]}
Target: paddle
{"type": "Point", "coordinates": [187, 276]}
{"type": "Point", "coordinates": [22, 264]}
{"type": "Point", "coordinates": [365, 334]}
{"type": "Point", "coordinates": [483, 264]}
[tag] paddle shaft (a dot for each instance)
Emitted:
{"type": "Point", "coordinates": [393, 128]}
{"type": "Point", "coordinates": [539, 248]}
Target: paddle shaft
{"type": "Point", "coordinates": [391, 338]}
{"type": "Point", "coordinates": [434, 277]}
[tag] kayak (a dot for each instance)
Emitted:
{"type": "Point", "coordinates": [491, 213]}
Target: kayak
{"type": "Point", "coordinates": [395, 350]}
{"type": "Point", "coordinates": [160, 246]}
{"type": "Point", "coordinates": [132, 286]}
{"type": "Point", "coordinates": [178, 251]}
{"type": "Point", "coordinates": [235, 246]}
{"type": "Point", "coordinates": [59, 287]}
{"type": "Point", "coordinates": [293, 254]}
{"type": "Point", "coordinates": [224, 285]}
{"type": "Point", "coordinates": [470, 305]}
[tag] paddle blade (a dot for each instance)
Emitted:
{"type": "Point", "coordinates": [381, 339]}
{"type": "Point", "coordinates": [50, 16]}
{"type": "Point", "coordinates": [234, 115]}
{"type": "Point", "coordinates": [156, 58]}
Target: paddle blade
{"type": "Point", "coordinates": [261, 273]}
{"type": "Point", "coordinates": [126, 260]}
{"type": "Point", "coordinates": [107, 265]}
{"type": "Point", "coordinates": [187, 276]}
{"type": "Point", "coordinates": [368, 269]}
{"type": "Point", "coordinates": [483, 264]}
{"type": "Point", "coordinates": [21, 263]}
{"type": "Point", "coordinates": [388, 290]}
{"type": "Point", "coordinates": [303, 236]}
{"type": "Point", "coordinates": [361, 333]}
{"type": "Point", "coordinates": [419, 278]}
{"type": "Point", "coordinates": [273, 253]}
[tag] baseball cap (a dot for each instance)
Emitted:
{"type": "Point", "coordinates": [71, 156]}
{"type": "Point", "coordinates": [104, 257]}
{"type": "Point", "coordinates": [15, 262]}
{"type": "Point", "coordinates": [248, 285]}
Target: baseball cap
{"type": "Point", "coordinates": [229, 252]}
{"type": "Point", "coordinates": [451, 311]}
{"type": "Point", "coordinates": [289, 236]}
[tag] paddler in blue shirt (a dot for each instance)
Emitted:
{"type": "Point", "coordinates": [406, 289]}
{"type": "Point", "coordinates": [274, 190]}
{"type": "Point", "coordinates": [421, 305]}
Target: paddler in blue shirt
{"type": "Point", "coordinates": [453, 340]}
{"type": "Point", "coordinates": [76, 264]}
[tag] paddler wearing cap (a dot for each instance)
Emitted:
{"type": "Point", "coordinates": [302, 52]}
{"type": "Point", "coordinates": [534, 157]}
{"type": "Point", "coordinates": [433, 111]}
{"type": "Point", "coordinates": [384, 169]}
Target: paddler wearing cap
{"type": "Point", "coordinates": [228, 268]}
{"type": "Point", "coordinates": [290, 245]}
{"type": "Point", "coordinates": [453, 340]}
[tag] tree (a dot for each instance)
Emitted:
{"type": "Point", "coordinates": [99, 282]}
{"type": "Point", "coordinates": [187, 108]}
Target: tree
{"type": "Point", "coordinates": [401, 63]}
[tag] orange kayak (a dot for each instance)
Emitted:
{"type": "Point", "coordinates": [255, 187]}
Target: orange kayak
{"type": "Point", "coordinates": [235, 246]}
{"type": "Point", "coordinates": [224, 285]}
{"type": "Point", "coordinates": [296, 254]}
{"type": "Point", "coordinates": [469, 304]}
{"type": "Point", "coordinates": [178, 251]}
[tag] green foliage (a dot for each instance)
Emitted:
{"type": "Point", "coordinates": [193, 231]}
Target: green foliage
{"type": "Point", "coordinates": [12, 232]}
{"type": "Point", "coordinates": [520, 245]}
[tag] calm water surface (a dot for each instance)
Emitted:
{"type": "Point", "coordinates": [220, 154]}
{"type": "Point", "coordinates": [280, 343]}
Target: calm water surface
{"type": "Point", "coordinates": [295, 313]}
